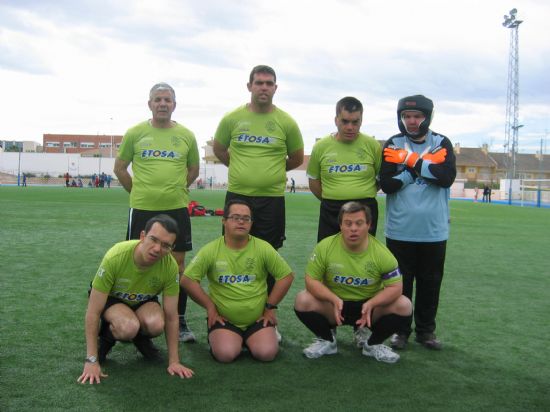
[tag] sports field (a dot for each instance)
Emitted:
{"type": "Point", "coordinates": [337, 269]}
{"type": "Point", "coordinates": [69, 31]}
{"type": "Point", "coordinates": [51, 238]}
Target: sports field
{"type": "Point", "coordinates": [493, 319]}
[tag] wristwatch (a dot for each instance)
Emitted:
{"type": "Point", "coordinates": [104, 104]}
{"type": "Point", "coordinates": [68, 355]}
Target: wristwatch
{"type": "Point", "coordinates": [270, 306]}
{"type": "Point", "coordinates": [91, 359]}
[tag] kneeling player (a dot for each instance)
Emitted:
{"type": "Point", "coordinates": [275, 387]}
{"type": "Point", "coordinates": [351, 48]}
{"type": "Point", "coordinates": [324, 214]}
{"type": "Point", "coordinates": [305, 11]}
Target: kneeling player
{"type": "Point", "coordinates": [353, 279]}
{"type": "Point", "coordinates": [240, 311]}
{"type": "Point", "coordinates": [124, 296]}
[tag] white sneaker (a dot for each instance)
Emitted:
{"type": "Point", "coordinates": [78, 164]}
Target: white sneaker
{"type": "Point", "coordinates": [321, 347]}
{"type": "Point", "coordinates": [381, 353]}
{"type": "Point", "coordinates": [361, 336]}
{"type": "Point", "coordinates": [279, 337]}
{"type": "Point", "coordinates": [186, 335]}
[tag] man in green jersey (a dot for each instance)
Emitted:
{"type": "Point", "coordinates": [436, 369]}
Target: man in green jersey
{"type": "Point", "coordinates": [353, 279]}
{"type": "Point", "coordinates": [344, 167]}
{"type": "Point", "coordinates": [259, 142]}
{"type": "Point", "coordinates": [165, 161]}
{"type": "Point", "coordinates": [124, 296]}
{"type": "Point", "coordinates": [240, 310]}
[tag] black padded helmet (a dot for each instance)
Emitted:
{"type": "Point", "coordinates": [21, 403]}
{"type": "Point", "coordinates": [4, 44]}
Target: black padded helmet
{"type": "Point", "coordinates": [419, 103]}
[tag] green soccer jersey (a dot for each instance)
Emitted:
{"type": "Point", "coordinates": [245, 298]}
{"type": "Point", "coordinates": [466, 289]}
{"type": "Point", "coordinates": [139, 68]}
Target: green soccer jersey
{"type": "Point", "coordinates": [119, 276]}
{"type": "Point", "coordinates": [346, 170]}
{"type": "Point", "coordinates": [353, 276]}
{"type": "Point", "coordinates": [160, 158]}
{"type": "Point", "coordinates": [259, 144]}
{"type": "Point", "coordinates": [237, 278]}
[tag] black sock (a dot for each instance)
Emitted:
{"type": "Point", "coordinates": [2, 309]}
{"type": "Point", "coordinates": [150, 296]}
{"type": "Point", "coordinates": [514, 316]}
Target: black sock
{"type": "Point", "coordinates": [385, 327]}
{"type": "Point", "coordinates": [182, 304]}
{"type": "Point", "coordinates": [316, 323]}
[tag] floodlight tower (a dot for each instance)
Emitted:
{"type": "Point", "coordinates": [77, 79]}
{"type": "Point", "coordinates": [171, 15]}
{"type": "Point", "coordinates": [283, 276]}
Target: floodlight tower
{"type": "Point", "coordinates": [512, 99]}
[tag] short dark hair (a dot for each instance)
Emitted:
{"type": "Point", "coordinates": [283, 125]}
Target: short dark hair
{"type": "Point", "coordinates": [262, 68]}
{"type": "Point", "coordinates": [353, 207]}
{"type": "Point", "coordinates": [236, 202]}
{"type": "Point", "coordinates": [165, 221]}
{"type": "Point", "coordinates": [349, 104]}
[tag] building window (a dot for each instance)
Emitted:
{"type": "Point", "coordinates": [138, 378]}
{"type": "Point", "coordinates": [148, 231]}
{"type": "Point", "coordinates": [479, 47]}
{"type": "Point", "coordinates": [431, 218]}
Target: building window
{"type": "Point", "coordinates": [87, 145]}
{"type": "Point", "coordinates": [105, 145]}
{"type": "Point", "coordinates": [471, 170]}
{"type": "Point", "coordinates": [69, 144]}
{"type": "Point", "coordinates": [52, 144]}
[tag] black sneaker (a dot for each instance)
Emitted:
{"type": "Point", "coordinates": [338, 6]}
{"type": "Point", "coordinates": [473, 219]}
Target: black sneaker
{"type": "Point", "coordinates": [145, 346]}
{"type": "Point", "coordinates": [106, 341]}
{"type": "Point", "coordinates": [429, 340]}
{"type": "Point", "coordinates": [398, 341]}
{"type": "Point", "coordinates": [104, 347]}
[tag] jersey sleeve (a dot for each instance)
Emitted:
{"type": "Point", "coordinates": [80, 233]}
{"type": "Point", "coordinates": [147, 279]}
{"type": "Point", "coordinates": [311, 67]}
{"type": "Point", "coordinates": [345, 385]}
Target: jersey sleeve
{"type": "Point", "coordinates": [275, 264]}
{"type": "Point", "coordinates": [104, 278]}
{"type": "Point", "coordinates": [294, 140]}
{"type": "Point", "coordinates": [223, 132]}
{"type": "Point", "coordinates": [314, 167]}
{"type": "Point", "coordinates": [172, 286]}
{"type": "Point", "coordinates": [126, 150]}
{"type": "Point", "coordinates": [316, 267]}
{"type": "Point", "coordinates": [198, 268]}
{"type": "Point", "coordinates": [193, 154]}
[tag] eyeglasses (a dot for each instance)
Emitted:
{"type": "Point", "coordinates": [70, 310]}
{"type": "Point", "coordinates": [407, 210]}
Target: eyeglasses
{"type": "Point", "coordinates": [239, 218]}
{"type": "Point", "coordinates": [164, 246]}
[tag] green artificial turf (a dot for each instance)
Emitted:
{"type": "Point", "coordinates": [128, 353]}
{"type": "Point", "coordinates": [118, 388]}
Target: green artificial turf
{"type": "Point", "coordinates": [493, 319]}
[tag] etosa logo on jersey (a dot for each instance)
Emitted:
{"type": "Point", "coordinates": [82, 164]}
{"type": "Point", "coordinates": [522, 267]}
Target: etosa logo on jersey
{"type": "Point", "coordinates": [350, 281]}
{"type": "Point", "coordinates": [168, 154]}
{"type": "Point", "coordinates": [134, 297]}
{"type": "Point", "coordinates": [354, 167]}
{"type": "Point", "coordinates": [253, 139]}
{"type": "Point", "coordinates": [233, 279]}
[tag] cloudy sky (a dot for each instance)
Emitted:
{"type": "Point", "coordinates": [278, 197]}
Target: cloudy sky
{"type": "Point", "coordinates": [85, 66]}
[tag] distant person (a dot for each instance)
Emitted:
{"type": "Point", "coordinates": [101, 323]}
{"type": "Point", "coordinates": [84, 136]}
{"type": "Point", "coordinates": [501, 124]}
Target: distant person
{"type": "Point", "coordinates": [24, 180]}
{"type": "Point", "coordinates": [476, 194]}
{"type": "Point", "coordinates": [353, 279]}
{"type": "Point", "coordinates": [418, 169]}
{"type": "Point", "coordinates": [240, 310]}
{"type": "Point", "coordinates": [344, 166]}
{"type": "Point", "coordinates": [79, 183]}
{"type": "Point", "coordinates": [67, 180]}
{"type": "Point", "coordinates": [486, 194]}
{"type": "Point", "coordinates": [123, 303]}
{"type": "Point", "coordinates": [292, 185]}
{"type": "Point", "coordinates": [259, 143]}
{"type": "Point", "coordinates": [165, 161]}
{"type": "Point", "coordinates": [108, 179]}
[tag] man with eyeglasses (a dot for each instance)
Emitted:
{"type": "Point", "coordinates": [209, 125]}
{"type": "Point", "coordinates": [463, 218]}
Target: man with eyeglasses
{"type": "Point", "coordinates": [353, 279]}
{"type": "Point", "coordinates": [165, 161]}
{"type": "Point", "coordinates": [123, 303]}
{"type": "Point", "coordinates": [241, 311]}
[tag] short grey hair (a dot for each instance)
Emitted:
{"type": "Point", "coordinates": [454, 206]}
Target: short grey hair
{"type": "Point", "coordinates": [160, 87]}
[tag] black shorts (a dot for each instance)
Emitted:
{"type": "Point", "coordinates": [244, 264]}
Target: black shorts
{"type": "Point", "coordinates": [244, 334]}
{"type": "Point", "coordinates": [328, 216]}
{"type": "Point", "coordinates": [137, 219]}
{"type": "Point", "coordinates": [111, 300]}
{"type": "Point", "coordinates": [269, 217]}
{"type": "Point", "coordinates": [352, 311]}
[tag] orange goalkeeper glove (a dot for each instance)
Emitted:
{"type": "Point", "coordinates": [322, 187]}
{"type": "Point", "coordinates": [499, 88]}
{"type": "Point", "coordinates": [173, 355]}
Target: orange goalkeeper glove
{"type": "Point", "coordinates": [437, 157]}
{"type": "Point", "coordinates": [400, 156]}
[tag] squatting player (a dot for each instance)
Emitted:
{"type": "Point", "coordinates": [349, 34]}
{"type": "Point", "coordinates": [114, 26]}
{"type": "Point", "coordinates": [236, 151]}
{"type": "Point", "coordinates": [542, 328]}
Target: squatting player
{"type": "Point", "coordinates": [352, 279]}
{"type": "Point", "coordinates": [123, 299]}
{"type": "Point", "coordinates": [240, 309]}
{"type": "Point", "coordinates": [165, 161]}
